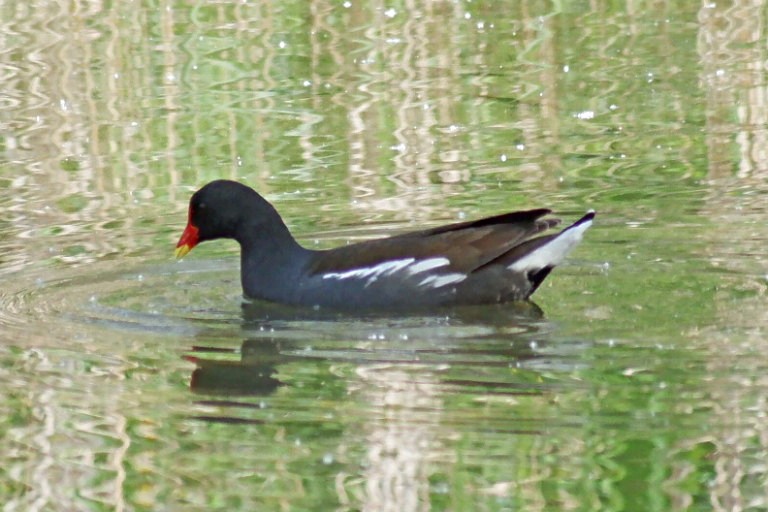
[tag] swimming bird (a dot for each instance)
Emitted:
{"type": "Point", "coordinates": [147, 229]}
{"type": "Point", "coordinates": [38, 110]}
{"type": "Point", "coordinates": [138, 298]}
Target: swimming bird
{"type": "Point", "coordinates": [490, 260]}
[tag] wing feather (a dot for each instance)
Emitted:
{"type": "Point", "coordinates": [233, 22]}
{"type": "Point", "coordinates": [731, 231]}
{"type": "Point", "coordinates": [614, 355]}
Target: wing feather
{"type": "Point", "coordinates": [467, 245]}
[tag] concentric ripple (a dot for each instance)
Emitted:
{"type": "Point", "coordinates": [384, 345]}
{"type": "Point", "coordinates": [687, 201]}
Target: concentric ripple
{"type": "Point", "coordinates": [200, 301]}
{"type": "Point", "coordinates": [123, 296]}
{"type": "Point", "coordinates": [180, 296]}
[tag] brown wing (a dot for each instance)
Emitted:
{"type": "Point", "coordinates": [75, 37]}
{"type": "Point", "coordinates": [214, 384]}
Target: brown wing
{"type": "Point", "coordinates": [467, 245]}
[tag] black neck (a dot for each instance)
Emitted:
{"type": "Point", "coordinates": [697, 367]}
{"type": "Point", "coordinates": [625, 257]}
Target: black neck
{"type": "Point", "coordinates": [271, 261]}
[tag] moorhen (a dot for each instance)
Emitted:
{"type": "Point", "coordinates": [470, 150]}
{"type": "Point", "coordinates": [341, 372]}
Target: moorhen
{"type": "Point", "coordinates": [483, 261]}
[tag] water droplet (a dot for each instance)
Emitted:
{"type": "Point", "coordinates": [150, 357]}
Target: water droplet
{"type": "Point", "coordinates": [328, 459]}
{"type": "Point", "coordinates": [441, 488]}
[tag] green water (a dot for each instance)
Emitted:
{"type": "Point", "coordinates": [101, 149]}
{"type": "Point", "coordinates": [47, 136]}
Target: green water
{"type": "Point", "coordinates": [131, 381]}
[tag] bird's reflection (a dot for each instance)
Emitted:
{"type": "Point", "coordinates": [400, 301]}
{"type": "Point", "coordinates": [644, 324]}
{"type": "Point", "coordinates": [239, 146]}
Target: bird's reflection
{"type": "Point", "coordinates": [392, 389]}
{"type": "Point", "coordinates": [236, 378]}
{"type": "Point", "coordinates": [254, 374]}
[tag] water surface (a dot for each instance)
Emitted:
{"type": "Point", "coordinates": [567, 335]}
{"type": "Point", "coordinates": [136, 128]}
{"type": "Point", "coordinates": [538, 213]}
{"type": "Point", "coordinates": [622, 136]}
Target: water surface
{"type": "Point", "coordinates": [134, 382]}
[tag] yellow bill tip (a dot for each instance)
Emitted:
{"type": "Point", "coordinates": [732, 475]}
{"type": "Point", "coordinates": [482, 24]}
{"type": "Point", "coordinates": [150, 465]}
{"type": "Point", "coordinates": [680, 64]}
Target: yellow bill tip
{"type": "Point", "coordinates": [182, 251]}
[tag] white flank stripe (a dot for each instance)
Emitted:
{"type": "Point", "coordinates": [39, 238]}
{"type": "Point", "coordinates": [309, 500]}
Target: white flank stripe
{"type": "Point", "coordinates": [399, 265]}
{"type": "Point", "coordinates": [428, 264]}
{"type": "Point", "coordinates": [442, 280]}
{"type": "Point", "coordinates": [372, 274]}
{"type": "Point", "coordinates": [388, 267]}
{"type": "Point", "coordinates": [554, 252]}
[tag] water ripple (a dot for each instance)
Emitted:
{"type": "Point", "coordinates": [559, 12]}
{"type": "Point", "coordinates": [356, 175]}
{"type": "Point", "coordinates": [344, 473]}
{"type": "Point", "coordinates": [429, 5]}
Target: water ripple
{"type": "Point", "coordinates": [115, 296]}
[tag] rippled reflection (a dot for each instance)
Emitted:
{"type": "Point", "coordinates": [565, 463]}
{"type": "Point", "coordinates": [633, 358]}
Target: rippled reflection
{"type": "Point", "coordinates": [134, 382]}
